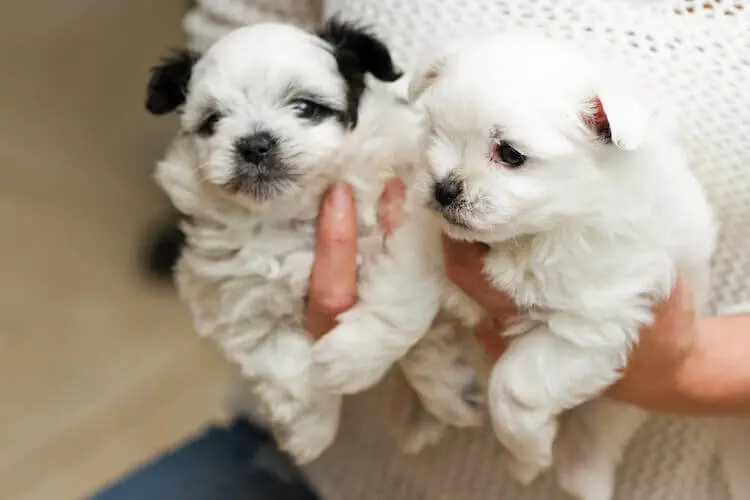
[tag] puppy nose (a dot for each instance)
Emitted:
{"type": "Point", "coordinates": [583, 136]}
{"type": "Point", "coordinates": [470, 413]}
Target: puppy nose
{"type": "Point", "coordinates": [254, 148]}
{"type": "Point", "coordinates": [446, 191]}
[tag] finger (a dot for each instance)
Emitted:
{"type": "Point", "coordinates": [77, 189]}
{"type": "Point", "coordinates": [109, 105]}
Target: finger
{"type": "Point", "coordinates": [666, 343]}
{"type": "Point", "coordinates": [333, 281]}
{"type": "Point", "coordinates": [672, 332]}
{"type": "Point", "coordinates": [677, 305]}
{"type": "Point", "coordinates": [391, 205]}
{"type": "Point", "coordinates": [487, 333]}
{"type": "Point", "coordinates": [463, 265]}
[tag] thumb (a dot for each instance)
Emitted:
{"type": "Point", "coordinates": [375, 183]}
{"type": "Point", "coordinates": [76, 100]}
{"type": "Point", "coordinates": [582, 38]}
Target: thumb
{"type": "Point", "coordinates": [487, 333]}
{"type": "Point", "coordinates": [333, 281]}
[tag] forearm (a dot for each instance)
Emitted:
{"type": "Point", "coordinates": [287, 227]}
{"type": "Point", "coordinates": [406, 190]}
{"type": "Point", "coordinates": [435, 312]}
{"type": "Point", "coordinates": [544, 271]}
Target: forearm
{"type": "Point", "coordinates": [715, 379]}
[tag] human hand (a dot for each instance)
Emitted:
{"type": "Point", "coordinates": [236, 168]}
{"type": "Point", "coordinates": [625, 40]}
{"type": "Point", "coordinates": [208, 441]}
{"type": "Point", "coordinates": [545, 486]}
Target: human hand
{"type": "Point", "coordinates": [653, 377]}
{"type": "Point", "coordinates": [333, 281]}
{"type": "Point", "coordinates": [463, 266]}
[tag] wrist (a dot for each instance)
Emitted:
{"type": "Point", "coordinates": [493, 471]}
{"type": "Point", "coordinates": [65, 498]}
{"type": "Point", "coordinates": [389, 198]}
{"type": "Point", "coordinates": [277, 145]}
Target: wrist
{"type": "Point", "coordinates": [715, 378]}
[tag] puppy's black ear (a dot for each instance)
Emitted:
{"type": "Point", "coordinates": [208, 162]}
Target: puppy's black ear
{"type": "Point", "coordinates": [358, 51]}
{"type": "Point", "coordinates": [167, 87]}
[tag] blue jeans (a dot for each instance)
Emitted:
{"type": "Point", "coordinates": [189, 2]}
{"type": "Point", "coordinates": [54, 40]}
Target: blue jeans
{"type": "Point", "coordinates": [236, 462]}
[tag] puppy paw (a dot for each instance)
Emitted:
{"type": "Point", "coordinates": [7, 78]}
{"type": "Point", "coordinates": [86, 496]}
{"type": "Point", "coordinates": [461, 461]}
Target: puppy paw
{"type": "Point", "coordinates": [590, 444]}
{"type": "Point", "coordinates": [308, 434]}
{"type": "Point", "coordinates": [457, 401]}
{"type": "Point", "coordinates": [421, 434]}
{"type": "Point", "coordinates": [306, 443]}
{"type": "Point", "coordinates": [527, 430]}
{"type": "Point", "coordinates": [587, 484]}
{"type": "Point", "coordinates": [474, 399]}
{"type": "Point", "coordinates": [528, 435]}
{"type": "Point", "coordinates": [414, 427]}
{"type": "Point", "coordinates": [440, 371]}
{"type": "Point", "coordinates": [523, 472]}
{"type": "Point", "coordinates": [349, 359]}
{"type": "Point", "coordinates": [579, 471]}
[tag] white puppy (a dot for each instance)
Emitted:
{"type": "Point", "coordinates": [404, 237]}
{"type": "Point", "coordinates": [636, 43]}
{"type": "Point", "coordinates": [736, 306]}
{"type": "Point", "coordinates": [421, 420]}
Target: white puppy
{"type": "Point", "coordinates": [588, 208]}
{"type": "Point", "coordinates": [272, 115]}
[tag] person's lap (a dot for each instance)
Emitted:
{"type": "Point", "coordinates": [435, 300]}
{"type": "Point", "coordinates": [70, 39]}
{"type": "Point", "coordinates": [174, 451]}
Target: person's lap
{"type": "Point", "coordinates": [238, 461]}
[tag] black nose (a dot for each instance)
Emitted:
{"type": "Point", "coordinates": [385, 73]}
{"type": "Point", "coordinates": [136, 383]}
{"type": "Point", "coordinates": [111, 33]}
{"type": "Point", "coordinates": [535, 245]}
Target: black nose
{"type": "Point", "coordinates": [254, 148]}
{"type": "Point", "coordinates": [447, 191]}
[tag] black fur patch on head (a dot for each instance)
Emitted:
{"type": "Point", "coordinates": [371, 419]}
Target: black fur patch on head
{"type": "Point", "coordinates": [167, 87]}
{"type": "Point", "coordinates": [358, 52]}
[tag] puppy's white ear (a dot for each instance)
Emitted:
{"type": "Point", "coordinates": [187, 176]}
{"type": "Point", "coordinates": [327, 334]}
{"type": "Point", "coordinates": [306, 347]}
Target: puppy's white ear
{"type": "Point", "coordinates": [433, 64]}
{"type": "Point", "coordinates": [619, 117]}
{"type": "Point", "coordinates": [424, 77]}
{"type": "Point", "coordinates": [434, 60]}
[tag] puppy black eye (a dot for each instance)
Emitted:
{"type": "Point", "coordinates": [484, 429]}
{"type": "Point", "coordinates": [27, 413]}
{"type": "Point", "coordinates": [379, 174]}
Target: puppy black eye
{"type": "Point", "coordinates": [207, 126]}
{"type": "Point", "coordinates": [309, 110]}
{"type": "Point", "coordinates": [508, 155]}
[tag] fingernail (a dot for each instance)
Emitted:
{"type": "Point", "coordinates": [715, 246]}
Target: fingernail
{"type": "Point", "coordinates": [341, 201]}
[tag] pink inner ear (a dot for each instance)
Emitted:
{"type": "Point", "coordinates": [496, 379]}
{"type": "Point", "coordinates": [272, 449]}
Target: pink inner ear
{"type": "Point", "coordinates": [430, 76]}
{"type": "Point", "coordinates": [599, 116]}
{"type": "Point", "coordinates": [598, 121]}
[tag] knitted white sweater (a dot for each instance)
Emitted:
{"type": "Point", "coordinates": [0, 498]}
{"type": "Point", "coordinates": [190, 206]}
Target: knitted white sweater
{"type": "Point", "coordinates": [696, 53]}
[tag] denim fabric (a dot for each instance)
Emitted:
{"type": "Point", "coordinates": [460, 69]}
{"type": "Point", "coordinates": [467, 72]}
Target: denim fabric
{"type": "Point", "coordinates": [236, 462]}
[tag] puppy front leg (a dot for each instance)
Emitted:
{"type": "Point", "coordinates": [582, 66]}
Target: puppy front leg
{"type": "Point", "coordinates": [540, 376]}
{"type": "Point", "coordinates": [590, 445]}
{"type": "Point", "coordinates": [397, 303]}
{"type": "Point", "coordinates": [415, 428]}
{"type": "Point", "coordinates": [303, 419]}
{"type": "Point", "coordinates": [441, 371]}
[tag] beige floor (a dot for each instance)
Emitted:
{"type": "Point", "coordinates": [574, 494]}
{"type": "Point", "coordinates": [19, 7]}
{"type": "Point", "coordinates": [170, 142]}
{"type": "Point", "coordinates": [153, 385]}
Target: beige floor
{"type": "Point", "coordinates": [98, 369]}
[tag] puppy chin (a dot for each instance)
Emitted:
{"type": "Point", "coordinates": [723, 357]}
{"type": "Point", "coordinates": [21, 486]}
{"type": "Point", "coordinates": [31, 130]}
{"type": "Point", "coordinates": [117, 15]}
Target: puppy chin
{"type": "Point", "coordinates": [254, 195]}
{"type": "Point", "coordinates": [252, 186]}
{"type": "Point", "coordinates": [262, 190]}
{"type": "Point", "coordinates": [454, 226]}
{"type": "Point", "coordinates": [461, 233]}
{"type": "Point", "coordinates": [461, 227]}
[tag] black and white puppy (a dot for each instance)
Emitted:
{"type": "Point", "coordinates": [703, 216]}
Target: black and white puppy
{"type": "Point", "coordinates": [271, 116]}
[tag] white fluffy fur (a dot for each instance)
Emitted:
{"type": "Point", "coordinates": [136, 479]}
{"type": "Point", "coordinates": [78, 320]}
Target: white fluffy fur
{"type": "Point", "coordinates": [245, 270]}
{"type": "Point", "coordinates": [586, 237]}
